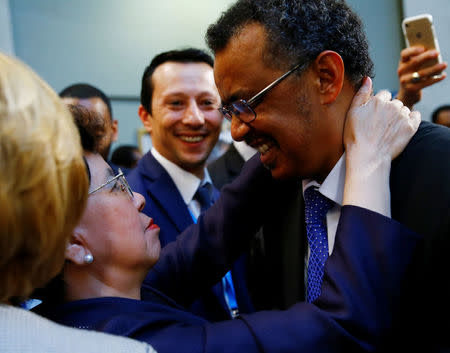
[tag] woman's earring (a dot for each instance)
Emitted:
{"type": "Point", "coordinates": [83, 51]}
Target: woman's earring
{"type": "Point", "coordinates": [88, 259]}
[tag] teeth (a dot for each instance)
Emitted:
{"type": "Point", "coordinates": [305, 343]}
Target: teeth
{"type": "Point", "coordinates": [263, 148]}
{"type": "Point", "coordinates": [192, 138]}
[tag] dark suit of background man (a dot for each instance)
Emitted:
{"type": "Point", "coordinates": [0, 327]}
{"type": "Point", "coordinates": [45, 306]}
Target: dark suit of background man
{"type": "Point", "coordinates": [228, 166]}
{"type": "Point", "coordinates": [297, 126]}
{"type": "Point", "coordinates": [179, 109]}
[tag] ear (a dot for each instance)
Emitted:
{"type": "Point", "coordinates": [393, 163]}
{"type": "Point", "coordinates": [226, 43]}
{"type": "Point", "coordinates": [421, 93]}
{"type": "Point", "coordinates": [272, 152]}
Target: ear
{"type": "Point", "coordinates": [115, 130]}
{"type": "Point", "coordinates": [76, 249]}
{"type": "Point", "coordinates": [329, 68]}
{"type": "Point", "coordinates": [146, 118]}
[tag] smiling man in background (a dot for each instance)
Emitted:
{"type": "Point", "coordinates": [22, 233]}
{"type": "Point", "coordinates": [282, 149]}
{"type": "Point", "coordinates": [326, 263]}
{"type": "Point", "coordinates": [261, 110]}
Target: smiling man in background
{"type": "Point", "coordinates": [179, 109]}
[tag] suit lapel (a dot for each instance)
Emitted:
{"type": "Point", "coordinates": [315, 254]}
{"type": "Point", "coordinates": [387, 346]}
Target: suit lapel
{"type": "Point", "coordinates": [161, 188]}
{"type": "Point", "coordinates": [293, 247]}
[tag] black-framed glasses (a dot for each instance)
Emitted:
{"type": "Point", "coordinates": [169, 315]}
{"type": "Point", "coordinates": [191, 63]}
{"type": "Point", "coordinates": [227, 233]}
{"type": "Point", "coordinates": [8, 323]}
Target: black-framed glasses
{"type": "Point", "coordinates": [245, 110]}
{"type": "Point", "coordinates": [122, 184]}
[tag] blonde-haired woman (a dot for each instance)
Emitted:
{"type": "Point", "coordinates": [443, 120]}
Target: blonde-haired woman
{"type": "Point", "coordinates": [43, 191]}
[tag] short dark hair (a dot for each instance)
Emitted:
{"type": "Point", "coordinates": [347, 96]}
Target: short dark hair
{"type": "Point", "coordinates": [189, 55]}
{"type": "Point", "coordinates": [435, 115]}
{"type": "Point", "coordinates": [299, 29]}
{"type": "Point", "coordinates": [86, 91]}
{"type": "Point", "coordinates": [124, 156]}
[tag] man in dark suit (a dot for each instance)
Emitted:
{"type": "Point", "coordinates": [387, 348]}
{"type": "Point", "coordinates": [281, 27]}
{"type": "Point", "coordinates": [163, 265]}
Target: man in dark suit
{"type": "Point", "coordinates": [290, 104]}
{"type": "Point", "coordinates": [179, 103]}
{"type": "Point", "coordinates": [228, 166]}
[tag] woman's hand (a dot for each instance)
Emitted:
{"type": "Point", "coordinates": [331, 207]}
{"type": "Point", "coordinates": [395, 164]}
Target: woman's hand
{"type": "Point", "coordinates": [376, 131]}
{"type": "Point", "coordinates": [412, 79]}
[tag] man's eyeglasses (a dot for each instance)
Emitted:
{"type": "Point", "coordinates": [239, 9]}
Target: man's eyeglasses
{"type": "Point", "coordinates": [245, 110]}
{"type": "Point", "coordinates": [122, 184]}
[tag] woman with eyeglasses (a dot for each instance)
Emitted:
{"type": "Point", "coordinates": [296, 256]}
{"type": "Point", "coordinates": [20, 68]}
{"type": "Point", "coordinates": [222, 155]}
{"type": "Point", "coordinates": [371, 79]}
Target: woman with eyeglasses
{"type": "Point", "coordinates": [43, 191]}
{"type": "Point", "coordinates": [114, 246]}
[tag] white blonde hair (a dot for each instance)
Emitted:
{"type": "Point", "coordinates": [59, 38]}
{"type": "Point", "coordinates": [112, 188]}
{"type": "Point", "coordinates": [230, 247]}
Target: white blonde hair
{"type": "Point", "coordinates": [43, 180]}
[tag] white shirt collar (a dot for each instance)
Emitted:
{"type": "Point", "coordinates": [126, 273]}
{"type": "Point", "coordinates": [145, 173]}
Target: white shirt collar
{"type": "Point", "coordinates": [186, 183]}
{"type": "Point", "coordinates": [244, 150]}
{"type": "Point", "coordinates": [333, 185]}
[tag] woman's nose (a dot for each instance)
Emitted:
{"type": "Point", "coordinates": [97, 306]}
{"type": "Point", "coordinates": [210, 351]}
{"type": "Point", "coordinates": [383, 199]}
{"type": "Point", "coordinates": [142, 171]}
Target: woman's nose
{"type": "Point", "coordinates": [139, 201]}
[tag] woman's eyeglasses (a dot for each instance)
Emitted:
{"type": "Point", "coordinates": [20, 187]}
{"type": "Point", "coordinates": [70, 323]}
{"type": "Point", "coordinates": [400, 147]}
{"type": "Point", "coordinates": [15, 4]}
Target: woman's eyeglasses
{"type": "Point", "coordinates": [122, 184]}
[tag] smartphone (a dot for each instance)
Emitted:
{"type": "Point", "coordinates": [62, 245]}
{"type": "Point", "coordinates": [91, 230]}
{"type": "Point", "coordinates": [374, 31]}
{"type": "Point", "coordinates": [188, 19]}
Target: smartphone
{"type": "Point", "coordinates": [419, 31]}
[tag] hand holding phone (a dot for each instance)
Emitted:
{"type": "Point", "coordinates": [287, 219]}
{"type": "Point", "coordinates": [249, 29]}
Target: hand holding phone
{"type": "Point", "coordinates": [420, 63]}
{"type": "Point", "coordinates": [419, 31]}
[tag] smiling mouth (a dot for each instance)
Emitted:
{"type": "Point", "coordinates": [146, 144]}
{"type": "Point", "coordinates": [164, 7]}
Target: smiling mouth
{"type": "Point", "coordinates": [263, 146]}
{"type": "Point", "coordinates": [192, 139]}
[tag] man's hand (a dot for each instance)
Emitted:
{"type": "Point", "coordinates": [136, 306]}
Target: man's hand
{"type": "Point", "coordinates": [376, 131]}
{"type": "Point", "coordinates": [412, 80]}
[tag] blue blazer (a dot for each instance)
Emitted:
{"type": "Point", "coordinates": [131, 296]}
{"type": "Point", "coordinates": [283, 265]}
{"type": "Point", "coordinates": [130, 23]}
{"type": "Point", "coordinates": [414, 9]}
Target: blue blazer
{"type": "Point", "coordinates": [166, 206]}
{"type": "Point", "coordinates": [359, 293]}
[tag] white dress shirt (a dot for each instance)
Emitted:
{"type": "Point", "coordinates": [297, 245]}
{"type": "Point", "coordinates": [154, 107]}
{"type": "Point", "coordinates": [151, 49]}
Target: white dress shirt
{"type": "Point", "coordinates": [244, 150]}
{"type": "Point", "coordinates": [186, 183]}
{"type": "Point", "coordinates": [332, 188]}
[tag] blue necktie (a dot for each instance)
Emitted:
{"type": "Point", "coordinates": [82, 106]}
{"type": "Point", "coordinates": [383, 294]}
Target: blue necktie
{"type": "Point", "coordinates": [316, 208]}
{"type": "Point", "coordinates": [203, 196]}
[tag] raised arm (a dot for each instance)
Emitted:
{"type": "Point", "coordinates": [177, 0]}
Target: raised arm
{"type": "Point", "coordinates": [203, 253]}
{"type": "Point", "coordinates": [411, 79]}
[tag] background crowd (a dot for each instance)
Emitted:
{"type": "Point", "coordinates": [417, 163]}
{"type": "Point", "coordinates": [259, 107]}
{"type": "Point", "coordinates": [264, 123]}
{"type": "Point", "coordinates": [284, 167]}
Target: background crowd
{"type": "Point", "coordinates": [317, 243]}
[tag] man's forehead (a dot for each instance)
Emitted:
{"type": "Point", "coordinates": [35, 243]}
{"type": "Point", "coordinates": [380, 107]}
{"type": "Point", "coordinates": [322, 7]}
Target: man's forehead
{"type": "Point", "coordinates": [171, 70]}
{"type": "Point", "coordinates": [238, 67]}
{"type": "Point", "coordinates": [175, 76]}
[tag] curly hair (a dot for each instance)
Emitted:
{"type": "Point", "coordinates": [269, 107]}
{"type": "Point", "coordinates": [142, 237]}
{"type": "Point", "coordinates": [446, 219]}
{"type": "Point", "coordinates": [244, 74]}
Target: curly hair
{"type": "Point", "coordinates": [86, 91]}
{"type": "Point", "coordinates": [90, 125]}
{"type": "Point", "coordinates": [299, 29]}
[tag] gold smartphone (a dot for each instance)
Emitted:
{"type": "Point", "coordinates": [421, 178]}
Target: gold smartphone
{"type": "Point", "coordinates": [419, 31]}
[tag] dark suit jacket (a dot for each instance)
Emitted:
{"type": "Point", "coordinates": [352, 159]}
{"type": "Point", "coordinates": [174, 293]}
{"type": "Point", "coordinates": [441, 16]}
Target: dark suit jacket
{"type": "Point", "coordinates": [420, 199]}
{"type": "Point", "coordinates": [360, 283]}
{"type": "Point", "coordinates": [226, 168]}
{"type": "Point", "coordinates": [166, 206]}
{"type": "Point", "coordinates": [223, 171]}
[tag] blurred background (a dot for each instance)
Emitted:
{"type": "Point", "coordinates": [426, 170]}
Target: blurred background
{"type": "Point", "coordinates": [108, 43]}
